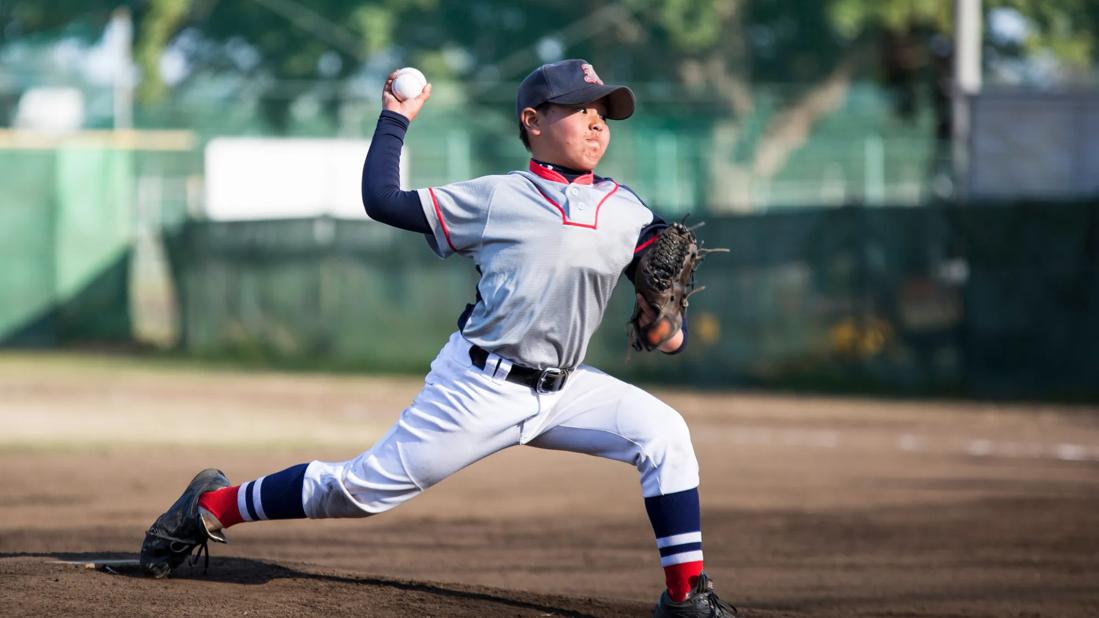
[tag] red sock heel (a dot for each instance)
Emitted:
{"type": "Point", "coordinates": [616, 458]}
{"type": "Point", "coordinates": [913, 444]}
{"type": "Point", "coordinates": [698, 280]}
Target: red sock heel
{"type": "Point", "coordinates": [222, 504]}
{"type": "Point", "coordinates": [681, 579]}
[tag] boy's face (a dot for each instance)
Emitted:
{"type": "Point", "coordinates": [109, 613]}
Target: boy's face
{"type": "Point", "coordinates": [574, 136]}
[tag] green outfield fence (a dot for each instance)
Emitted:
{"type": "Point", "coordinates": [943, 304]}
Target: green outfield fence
{"type": "Point", "coordinates": [990, 301]}
{"type": "Point", "coordinates": [65, 244]}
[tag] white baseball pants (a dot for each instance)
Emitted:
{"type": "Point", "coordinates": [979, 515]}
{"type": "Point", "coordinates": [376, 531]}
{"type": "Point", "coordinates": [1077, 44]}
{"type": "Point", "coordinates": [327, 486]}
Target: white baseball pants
{"type": "Point", "coordinates": [464, 414]}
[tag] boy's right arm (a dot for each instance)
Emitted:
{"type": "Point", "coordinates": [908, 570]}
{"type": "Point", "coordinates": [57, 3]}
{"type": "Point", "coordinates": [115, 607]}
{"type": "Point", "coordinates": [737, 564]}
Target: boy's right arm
{"type": "Point", "coordinates": [381, 189]}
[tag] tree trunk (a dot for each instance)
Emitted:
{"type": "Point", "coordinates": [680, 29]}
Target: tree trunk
{"type": "Point", "coordinates": [732, 182]}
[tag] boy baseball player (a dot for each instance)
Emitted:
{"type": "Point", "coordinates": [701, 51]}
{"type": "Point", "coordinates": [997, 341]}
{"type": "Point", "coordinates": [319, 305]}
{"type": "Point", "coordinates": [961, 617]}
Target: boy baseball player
{"type": "Point", "coordinates": [550, 243]}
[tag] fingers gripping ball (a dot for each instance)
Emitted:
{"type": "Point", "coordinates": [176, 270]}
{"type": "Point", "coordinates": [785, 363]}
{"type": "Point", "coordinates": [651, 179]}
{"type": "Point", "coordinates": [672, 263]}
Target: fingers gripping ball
{"type": "Point", "coordinates": [408, 84]}
{"type": "Point", "coordinates": [660, 331]}
{"type": "Point", "coordinates": [665, 279]}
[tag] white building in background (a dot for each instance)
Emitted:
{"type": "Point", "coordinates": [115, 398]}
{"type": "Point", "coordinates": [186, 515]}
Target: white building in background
{"type": "Point", "coordinates": [279, 178]}
{"type": "Point", "coordinates": [50, 110]}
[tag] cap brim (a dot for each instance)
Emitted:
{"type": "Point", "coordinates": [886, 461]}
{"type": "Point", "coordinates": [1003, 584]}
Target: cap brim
{"type": "Point", "coordinates": [619, 99]}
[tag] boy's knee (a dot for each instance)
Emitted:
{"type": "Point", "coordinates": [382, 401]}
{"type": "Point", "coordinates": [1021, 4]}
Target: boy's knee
{"type": "Point", "coordinates": [676, 439]}
{"type": "Point", "coordinates": [672, 465]}
{"type": "Point", "coordinates": [353, 488]}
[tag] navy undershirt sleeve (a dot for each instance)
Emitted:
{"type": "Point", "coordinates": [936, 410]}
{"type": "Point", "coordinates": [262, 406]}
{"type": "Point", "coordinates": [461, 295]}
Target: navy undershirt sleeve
{"type": "Point", "coordinates": [381, 187]}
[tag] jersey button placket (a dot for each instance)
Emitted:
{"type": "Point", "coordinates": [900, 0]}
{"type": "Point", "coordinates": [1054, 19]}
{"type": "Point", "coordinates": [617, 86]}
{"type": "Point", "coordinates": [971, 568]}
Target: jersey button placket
{"type": "Point", "coordinates": [576, 201]}
{"type": "Point", "coordinates": [580, 204]}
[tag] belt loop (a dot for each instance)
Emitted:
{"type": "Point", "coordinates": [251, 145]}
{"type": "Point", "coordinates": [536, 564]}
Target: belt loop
{"type": "Point", "coordinates": [490, 365]}
{"type": "Point", "coordinates": [503, 368]}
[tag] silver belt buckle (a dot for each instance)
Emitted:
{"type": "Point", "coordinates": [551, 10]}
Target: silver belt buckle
{"type": "Point", "coordinates": [558, 377]}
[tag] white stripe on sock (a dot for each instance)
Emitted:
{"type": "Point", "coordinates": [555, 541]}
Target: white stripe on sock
{"type": "Point", "coordinates": [242, 501]}
{"type": "Point", "coordinates": [679, 539]}
{"type": "Point", "coordinates": [256, 501]}
{"type": "Point", "coordinates": [687, 556]}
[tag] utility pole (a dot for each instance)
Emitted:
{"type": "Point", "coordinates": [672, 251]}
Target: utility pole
{"type": "Point", "coordinates": [122, 28]}
{"type": "Point", "coordinates": [967, 84]}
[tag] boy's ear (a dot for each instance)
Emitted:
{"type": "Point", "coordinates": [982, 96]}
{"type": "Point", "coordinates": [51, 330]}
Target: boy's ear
{"type": "Point", "coordinates": [531, 121]}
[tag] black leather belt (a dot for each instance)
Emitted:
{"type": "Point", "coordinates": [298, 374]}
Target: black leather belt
{"type": "Point", "coordinates": [541, 380]}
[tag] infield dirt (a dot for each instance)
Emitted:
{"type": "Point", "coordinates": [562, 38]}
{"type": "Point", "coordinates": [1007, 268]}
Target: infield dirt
{"type": "Point", "coordinates": [811, 506]}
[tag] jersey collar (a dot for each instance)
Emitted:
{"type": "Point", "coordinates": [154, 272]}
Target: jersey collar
{"type": "Point", "coordinates": [548, 173]}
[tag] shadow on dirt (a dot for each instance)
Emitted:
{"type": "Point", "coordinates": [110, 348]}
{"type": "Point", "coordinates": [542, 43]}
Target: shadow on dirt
{"type": "Point", "coordinates": [244, 571]}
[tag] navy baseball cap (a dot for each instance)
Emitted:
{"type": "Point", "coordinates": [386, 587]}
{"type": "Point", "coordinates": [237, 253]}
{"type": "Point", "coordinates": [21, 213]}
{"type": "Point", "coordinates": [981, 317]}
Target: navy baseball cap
{"type": "Point", "coordinates": [572, 82]}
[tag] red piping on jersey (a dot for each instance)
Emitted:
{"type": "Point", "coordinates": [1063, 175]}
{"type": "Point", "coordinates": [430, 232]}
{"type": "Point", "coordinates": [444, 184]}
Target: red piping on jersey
{"type": "Point", "coordinates": [555, 176]}
{"type": "Point", "coordinates": [565, 220]}
{"type": "Point", "coordinates": [439, 214]}
{"type": "Point", "coordinates": [648, 242]}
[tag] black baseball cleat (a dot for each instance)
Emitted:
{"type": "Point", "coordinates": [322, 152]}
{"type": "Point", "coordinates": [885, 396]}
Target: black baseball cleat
{"type": "Point", "coordinates": [176, 533]}
{"type": "Point", "coordinates": [702, 602]}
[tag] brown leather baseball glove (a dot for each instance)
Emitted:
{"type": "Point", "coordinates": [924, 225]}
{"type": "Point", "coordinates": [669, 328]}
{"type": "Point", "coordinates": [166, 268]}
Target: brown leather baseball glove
{"type": "Point", "coordinates": [665, 279]}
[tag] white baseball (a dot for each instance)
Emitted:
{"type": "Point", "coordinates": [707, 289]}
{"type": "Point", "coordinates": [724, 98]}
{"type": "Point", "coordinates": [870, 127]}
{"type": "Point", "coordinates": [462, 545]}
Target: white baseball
{"type": "Point", "coordinates": [408, 84]}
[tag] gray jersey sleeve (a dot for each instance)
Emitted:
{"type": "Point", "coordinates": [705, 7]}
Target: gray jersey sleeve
{"type": "Point", "coordinates": [457, 213]}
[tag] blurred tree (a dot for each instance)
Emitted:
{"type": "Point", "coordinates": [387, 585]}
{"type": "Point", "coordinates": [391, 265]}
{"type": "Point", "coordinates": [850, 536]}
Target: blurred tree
{"type": "Point", "coordinates": [158, 26]}
{"type": "Point", "coordinates": [23, 21]}
{"type": "Point", "coordinates": [712, 50]}
{"type": "Point", "coordinates": [819, 47]}
{"type": "Point", "coordinates": [705, 44]}
{"type": "Point", "coordinates": [1068, 29]}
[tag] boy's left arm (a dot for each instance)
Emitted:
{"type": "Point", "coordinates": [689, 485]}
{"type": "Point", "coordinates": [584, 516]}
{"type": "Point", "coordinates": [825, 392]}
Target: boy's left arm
{"type": "Point", "coordinates": [644, 314]}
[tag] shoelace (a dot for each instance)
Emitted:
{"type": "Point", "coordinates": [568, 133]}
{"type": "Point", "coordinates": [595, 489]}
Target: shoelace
{"type": "Point", "coordinates": [716, 603]}
{"type": "Point", "coordinates": [202, 550]}
{"type": "Point", "coordinates": [180, 546]}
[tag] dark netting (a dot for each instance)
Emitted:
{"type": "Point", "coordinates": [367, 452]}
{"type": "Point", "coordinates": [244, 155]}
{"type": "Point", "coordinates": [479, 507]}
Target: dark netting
{"type": "Point", "coordinates": [976, 300]}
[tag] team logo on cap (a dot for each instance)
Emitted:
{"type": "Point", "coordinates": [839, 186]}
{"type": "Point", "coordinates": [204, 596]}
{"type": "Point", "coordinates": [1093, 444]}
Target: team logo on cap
{"type": "Point", "coordinates": [589, 74]}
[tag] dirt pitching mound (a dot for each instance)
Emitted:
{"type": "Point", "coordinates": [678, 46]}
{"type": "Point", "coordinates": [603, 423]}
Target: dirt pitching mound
{"type": "Point", "coordinates": [810, 506]}
{"type": "Point", "coordinates": [62, 584]}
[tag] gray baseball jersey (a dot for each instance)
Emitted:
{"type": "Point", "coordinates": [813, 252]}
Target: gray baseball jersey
{"type": "Point", "coordinates": [549, 252]}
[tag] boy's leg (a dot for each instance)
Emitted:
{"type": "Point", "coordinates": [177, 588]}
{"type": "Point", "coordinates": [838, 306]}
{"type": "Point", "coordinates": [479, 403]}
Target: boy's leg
{"type": "Point", "coordinates": [600, 415]}
{"type": "Point", "coordinates": [275, 496]}
{"type": "Point", "coordinates": [460, 416]}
